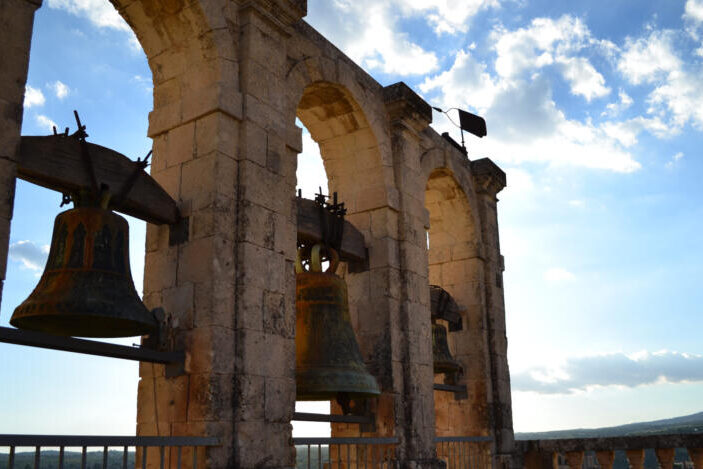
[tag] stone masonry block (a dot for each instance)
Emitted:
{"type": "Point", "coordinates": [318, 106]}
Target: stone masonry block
{"type": "Point", "coordinates": [209, 350]}
{"type": "Point", "coordinates": [216, 132]}
{"type": "Point", "coordinates": [280, 399]}
{"type": "Point", "coordinates": [250, 391]}
{"type": "Point", "coordinates": [210, 397]}
{"type": "Point", "coordinates": [214, 303]}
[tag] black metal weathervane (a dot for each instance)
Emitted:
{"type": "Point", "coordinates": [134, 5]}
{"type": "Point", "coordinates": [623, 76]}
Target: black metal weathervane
{"type": "Point", "coordinates": [467, 122]}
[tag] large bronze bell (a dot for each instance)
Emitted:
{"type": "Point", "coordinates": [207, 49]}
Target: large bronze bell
{"type": "Point", "coordinates": [86, 289]}
{"type": "Point", "coordinates": [441, 357]}
{"type": "Point", "coordinates": [328, 360]}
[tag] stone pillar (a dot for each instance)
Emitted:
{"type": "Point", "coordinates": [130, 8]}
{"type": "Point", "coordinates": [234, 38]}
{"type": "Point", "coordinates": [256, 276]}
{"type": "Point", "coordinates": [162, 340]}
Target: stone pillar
{"type": "Point", "coordinates": [665, 457]}
{"type": "Point", "coordinates": [220, 150]}
{"type": "Point", "coordinates": [409, 116]}
{"type": "Point", "coordinates": [16, 23]}
{"type": "Point", "coordinates": [489, 180]}
{"type": "Point", "coordinates": [635, 458]}
{"type": "Point", "coordinates": [696, 455]}
{"type": "Point", "coordinates": [605, 459]}
{"type": "Point", "coordinates": [266, 241]}
{"type": "Point", "coordinates": [574, 459]}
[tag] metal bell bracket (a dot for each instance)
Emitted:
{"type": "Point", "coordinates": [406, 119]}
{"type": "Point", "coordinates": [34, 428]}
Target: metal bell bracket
{"type": "Point", "coordinates": [162, 354]}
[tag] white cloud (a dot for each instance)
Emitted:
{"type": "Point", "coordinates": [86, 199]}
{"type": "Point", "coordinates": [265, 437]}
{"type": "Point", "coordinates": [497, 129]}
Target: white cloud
{"type": "Point", "coordinates": [31, 255]}
{"type": "Point", "coordinates": [577, 203]}
{"type": "Point", "coordinates": [547, 41]}
{"type": "Point", "coordinates": [60, 89]}
{"type": "Point", "coordinates": [448, 16]}
{"type": "Point", "coordinates": [647, 59]}
{"type": "Point", "coordinates": [624, 102]}
{"type": "Point", "coordinates": [694, 10]}
{"type": "Point", "coordinates": [678, 90]}
{"type": "Point", "coordinates": [33, 97]}
{"type": "Point", "coordinates": [674, 160]}
{"type": "Point", "coordinates": [45, 122]}
{"type": "Point", "coordinates": [528, 124]}
{"type": "Point", "coordinates": [100, 12]}
{"type": "Point", "coordinates": [583, 78]}
{"type": "Point", "coordinates": [368, 33]}
{"type": "Point", "coordinates": [617, 369]}
{"type": "Point", "coordinates": [467, 81]}
{"type": "Point", "coordinates": [558, 275]}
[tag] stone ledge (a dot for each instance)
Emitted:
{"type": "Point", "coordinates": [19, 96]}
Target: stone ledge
{"type": "Point", "coordinates": [693, 440]}
{"type": "Point", "coordinates": [489, 178]}
{"type": "Point", "coordinates": [403, 103]}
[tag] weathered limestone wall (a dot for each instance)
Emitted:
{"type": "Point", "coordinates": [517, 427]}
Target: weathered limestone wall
{"type": "Point", "coordinates": [16, 23]}
{"type": "Point", "coordinates": [230, 77]}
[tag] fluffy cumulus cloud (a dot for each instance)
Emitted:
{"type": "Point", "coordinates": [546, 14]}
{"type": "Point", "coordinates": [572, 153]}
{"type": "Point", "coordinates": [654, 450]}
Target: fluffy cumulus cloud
{"type": "Point", "coordinates": [547, 41]}
{"type": "Point", "coordinates": [677, 91]}
{"type": "Point", "coordinates": [694, 11]}
{"type": "Point", "coordinates": [100, 12]}
{"type": "Point", "coordinates": [29, 254]}
{"type": "Point", "coordinates": [59, 89]}
{"type": "Point", "coordinates": [33, 97]}
{"type": "Point", "coordinates": [617, 369]}
{"type": "Point", "coordinates": [447, 16]}
{"type": "Point", "coordinates": [368, 32]}
{"type": "Point", "coordinates": [44, 122]}
{"type": "Point", "coordinates": [531, 127]}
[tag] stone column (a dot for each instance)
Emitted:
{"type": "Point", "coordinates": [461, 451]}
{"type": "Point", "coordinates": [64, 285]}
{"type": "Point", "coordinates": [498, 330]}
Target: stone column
{"type": "Point", "coordinates": [635, 458]}
{"type": "Point", "coordinates": [266, 241]}
{"type": "Point", "coordinates": [665, 457]}
{"type": "Point", "coordinates": [605, 459]}
{"type": "Point", "coordinates": [16, 23]}
{"type": "Point", "coordinates": [574, 459]}
{"type": "Point", "coordinates": [409, 116]}
{"type": "Point", "coordinates": [489, 179]}
{"type": "Point", "coordinates": [696, 455]}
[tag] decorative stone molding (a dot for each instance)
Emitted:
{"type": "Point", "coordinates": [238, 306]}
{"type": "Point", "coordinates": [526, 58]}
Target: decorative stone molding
{"type": "Point", "coordinates": [403, 104]}
{"type": "Point", "coordinates": [488, 177]}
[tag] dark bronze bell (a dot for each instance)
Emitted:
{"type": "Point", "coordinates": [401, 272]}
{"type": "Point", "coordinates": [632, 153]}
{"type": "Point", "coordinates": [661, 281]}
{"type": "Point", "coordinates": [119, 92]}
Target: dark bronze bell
{"type": "Point", "coordinates": [86, 289]}
{"type": "Point", "coordinates": [327, 356]}
{"type": "Point", "coordinates": [442, 360]}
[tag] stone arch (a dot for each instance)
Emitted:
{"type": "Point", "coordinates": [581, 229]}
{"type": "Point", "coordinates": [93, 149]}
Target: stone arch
{"type": "Point", "coordinates": [349, 145]}
{"type": "Point", "coordinates": [456, 264]}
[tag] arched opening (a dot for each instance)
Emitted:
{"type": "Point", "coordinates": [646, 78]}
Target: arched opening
{"type": "Point", "coordinates": [455, 265]}
{"type": "Point", "coordinates": [102, 73]}
{"type": "Point", "coordinates": [354, 169]}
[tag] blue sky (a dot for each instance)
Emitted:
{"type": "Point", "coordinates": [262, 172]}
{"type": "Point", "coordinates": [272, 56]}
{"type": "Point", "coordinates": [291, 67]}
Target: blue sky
{"type": "Point", "coordinates": [594, 113]}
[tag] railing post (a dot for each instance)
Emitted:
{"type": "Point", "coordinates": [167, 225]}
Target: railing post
{"type": "Point", "coordinates": [636, 458]}
{"type": "Point", "coordinates": [538, 460]}
{"type": "Point", "coordinates": [696, 455]}
{"type": "Point", "coordinates": [665, 456]}
{"type": "Point", "coordinates": [574, 459]}
{"type": "Point", "coordinates": [605, 459]}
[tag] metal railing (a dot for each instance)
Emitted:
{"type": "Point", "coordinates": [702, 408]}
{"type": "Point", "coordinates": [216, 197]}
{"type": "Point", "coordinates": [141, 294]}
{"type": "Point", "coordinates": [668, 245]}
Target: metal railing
{"type": "Point", "coordinates": [345, 453]}
{"type": "Point", "coordinates": [464, 452]}
{"type": "Point", "coordinates": [134, 451]}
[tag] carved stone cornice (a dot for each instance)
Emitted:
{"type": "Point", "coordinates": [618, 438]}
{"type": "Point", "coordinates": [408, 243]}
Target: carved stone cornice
{"type": "Point", "coordinates": [404, 105]}
{"type": "Point", "coordinates": [282, 12]}
{"type": "Point", "coordinates": [488, 177]}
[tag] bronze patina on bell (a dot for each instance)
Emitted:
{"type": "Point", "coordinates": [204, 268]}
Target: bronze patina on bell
{"type": "Point", "coordinates": [443, 307]}
{"type": "Point", "coordinates": [441, 357]}
{"type": "Point", "coordinates": [86, 289]}
{"type": "Point", "coordinates": [328, 360]}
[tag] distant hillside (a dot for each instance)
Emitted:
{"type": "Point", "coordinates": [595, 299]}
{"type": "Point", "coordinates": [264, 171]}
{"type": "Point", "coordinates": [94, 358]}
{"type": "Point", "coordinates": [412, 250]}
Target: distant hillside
{"type": "Point", "coordinates": [686, 424]}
